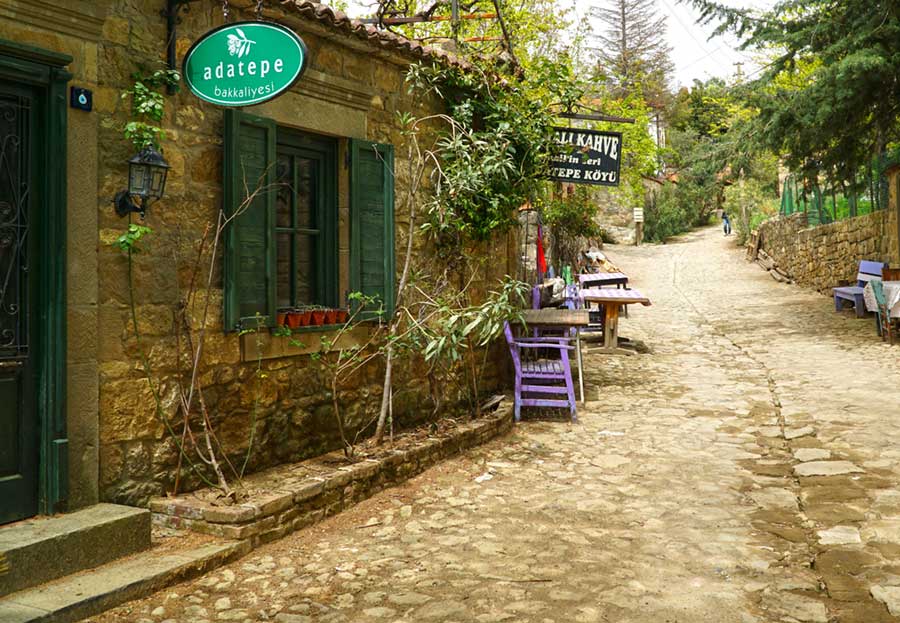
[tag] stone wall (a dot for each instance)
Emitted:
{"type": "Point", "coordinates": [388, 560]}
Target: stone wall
{"type": "Point", "coordinates": [821, 257]}
{"type": "Point", "coordinates": [351, 90]}
{"type": "Point", "coordinates": [614, 216]}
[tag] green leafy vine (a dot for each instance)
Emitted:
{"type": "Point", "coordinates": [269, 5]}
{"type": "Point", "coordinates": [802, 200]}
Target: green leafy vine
{"type": "Point", "coordinates": [148, 106]}
{"type": "Point", "coordinates": [495, 157]}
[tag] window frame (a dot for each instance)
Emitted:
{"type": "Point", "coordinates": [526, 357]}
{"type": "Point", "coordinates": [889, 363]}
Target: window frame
{"type": "Point", "coordinates": [244, 289]}
{"type": "Point", "coordinates": [324, 151]}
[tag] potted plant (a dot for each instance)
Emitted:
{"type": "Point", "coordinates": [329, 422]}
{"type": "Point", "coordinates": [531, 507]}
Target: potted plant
{"type": "Point", "coordinates": [318, 316]}
{"type": "Point", "coordinates": [293, 319]}
{"type": "Point", "coordinates": [304, 314]}
{"type": "Point", "coordinates": [281, 317]}
{"type": "Point", "coordinates": [330, 316]}
{"type": "Point", "coordinates": [341, 315]}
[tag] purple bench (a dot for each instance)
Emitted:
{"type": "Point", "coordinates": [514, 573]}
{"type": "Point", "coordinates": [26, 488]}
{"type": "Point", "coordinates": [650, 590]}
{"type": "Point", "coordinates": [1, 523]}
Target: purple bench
{"type": "Point", "coordinates": [867, 272]}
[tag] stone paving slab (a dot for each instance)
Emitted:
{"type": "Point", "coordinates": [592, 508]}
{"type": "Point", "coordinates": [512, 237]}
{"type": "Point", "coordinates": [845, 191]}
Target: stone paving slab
{"type": "Point", "coordinates": [812, 454]}
{"type": "Point", "coordinates": [80, 595]}
{"type": "Point", "coordinates": [73, 541]}
{"type": "Point", "coordinates": [827, 468]}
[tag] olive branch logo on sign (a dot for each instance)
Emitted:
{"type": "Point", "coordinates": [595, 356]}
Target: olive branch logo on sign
{"type": "Point", "coordinates": [239, 45]}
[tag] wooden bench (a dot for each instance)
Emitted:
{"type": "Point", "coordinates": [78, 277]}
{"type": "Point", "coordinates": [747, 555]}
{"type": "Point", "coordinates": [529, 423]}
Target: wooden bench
{"type": "Point", "coordinates": [867, 271]}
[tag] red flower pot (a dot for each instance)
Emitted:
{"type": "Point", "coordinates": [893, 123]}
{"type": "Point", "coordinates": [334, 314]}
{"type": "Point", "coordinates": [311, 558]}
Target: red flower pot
{"type": "Point", "coordinates": [304, 318]}
{"type": "Point", "coordinates": [342, 315]}
{"type": "Point", "coordinates": [318, 317]}
{"type": "Point", "coordinates": [293, 320]}
{"type": "Point", "coordinates": [281, 319]}
{"type": "Point", "coordinates": [330, 316]}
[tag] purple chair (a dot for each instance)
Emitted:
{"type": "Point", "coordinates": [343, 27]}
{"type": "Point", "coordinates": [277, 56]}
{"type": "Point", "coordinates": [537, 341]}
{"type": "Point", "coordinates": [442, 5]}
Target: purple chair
{"type": "Point", "coordinates": [542, 376]}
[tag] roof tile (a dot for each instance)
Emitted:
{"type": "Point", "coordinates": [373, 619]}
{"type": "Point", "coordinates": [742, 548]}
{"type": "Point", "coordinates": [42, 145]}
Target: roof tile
{"type": "Point", "coordinates": [338, 20]}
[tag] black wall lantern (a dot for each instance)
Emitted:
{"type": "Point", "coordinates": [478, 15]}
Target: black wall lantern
{"type": "Point", "coordinates": [146, 182]}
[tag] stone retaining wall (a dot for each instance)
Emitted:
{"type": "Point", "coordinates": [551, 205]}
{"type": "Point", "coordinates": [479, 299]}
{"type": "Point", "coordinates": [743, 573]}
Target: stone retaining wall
{"type": "Point", "coordinates": [291, 498]}
{"type": "Point", "coordinates": [821, 257]}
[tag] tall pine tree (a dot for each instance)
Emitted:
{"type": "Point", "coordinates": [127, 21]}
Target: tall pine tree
{"type": "Point", "coordinates": [830, 98]}
{"type": "Point", "coordinates": [631, 49]}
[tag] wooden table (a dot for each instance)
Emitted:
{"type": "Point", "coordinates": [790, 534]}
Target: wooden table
{"type": "Point", "coordinates": [599, 280]}
{"type": "Point", "coordinates": [562, 319]}
{"type": "Point", "coordinates": [611, 299]}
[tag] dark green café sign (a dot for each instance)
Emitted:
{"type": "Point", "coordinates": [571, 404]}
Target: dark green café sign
{"type": "Point", "coordinates": [244, 63]}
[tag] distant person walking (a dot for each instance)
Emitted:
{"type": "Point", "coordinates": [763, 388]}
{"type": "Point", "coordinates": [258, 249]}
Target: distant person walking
{"type": "Point", "coordinates": [726, 223]}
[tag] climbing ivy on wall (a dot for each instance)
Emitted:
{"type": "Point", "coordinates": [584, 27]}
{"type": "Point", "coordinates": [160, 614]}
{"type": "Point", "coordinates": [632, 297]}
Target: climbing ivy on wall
{"type": "Point", "coordinates": [495, 155]}
{"type": "Point", "coordinates": [148, 106]}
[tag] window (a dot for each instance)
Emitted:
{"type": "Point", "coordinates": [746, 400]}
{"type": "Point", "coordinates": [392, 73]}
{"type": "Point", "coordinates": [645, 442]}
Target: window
{"type": "Point", "coordinates": [305, 220]}
{"type": "Point", "coordinates": [281, 186]}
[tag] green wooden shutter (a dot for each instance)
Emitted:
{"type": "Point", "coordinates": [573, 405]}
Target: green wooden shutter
{"type": "Point", "coordinates": [372, 220]}
{"type": "Point", "coordinates": [249, 165]}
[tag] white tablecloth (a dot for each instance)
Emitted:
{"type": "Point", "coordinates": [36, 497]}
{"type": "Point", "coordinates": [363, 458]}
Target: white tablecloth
{"type": "Point", "coordinates": [891, 297]}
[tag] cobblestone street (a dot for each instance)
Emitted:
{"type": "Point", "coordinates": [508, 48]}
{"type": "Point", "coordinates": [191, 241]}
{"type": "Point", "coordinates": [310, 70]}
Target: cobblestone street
{"type": "Point", "coordinates": [743, 471]}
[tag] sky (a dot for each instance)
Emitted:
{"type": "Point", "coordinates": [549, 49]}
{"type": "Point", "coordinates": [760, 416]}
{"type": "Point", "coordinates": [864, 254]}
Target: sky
{"type": "Point", "coordinates": [695, 55]}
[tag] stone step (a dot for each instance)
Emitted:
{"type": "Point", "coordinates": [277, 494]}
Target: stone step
{"type": "Point", "coordinates": [91, 592]}
{"type": "Point", "coordinates": [46, 548]}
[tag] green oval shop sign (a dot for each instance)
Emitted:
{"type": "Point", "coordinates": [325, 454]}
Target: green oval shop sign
{"type": "Point", "coordinates": [244, 63]}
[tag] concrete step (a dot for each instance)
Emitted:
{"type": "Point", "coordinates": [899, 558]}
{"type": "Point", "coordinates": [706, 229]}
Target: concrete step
{"type": "Point", "coordinates": [91, 592]}
{"type": "Point", "coordinates": [46, 548]}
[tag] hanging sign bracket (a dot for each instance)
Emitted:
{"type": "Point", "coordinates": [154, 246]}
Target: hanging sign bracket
{"type": "Point", "coordinates": [172, 13]}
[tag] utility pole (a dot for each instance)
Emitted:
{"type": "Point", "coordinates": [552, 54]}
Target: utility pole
{"type": "Point", "coordinates": [659, 165]}
{"type": "Point", "coordinates": [739, 73]}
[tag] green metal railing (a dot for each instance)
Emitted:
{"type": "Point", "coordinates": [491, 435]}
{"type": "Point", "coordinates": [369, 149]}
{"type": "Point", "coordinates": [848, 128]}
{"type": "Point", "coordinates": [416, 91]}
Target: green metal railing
{"type": "Point", "coordinates": [825, 202]}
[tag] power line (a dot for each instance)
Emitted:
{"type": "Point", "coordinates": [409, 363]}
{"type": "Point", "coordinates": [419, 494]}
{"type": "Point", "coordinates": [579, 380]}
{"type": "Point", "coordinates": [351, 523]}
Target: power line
{"type": "Point", "coordinates": [688, 30]}
{"type": "Point", "coordinates": [697, 60]}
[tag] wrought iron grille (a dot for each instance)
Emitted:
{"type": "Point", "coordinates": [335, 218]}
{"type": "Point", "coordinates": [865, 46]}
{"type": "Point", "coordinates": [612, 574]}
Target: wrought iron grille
{"type": "Point", "coordinates": [15, 191]}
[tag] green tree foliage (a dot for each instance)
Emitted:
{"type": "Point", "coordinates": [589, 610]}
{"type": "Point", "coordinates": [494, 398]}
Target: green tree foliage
{"type": "Point", "coordinates": [572, 215]}
{"type": "Point", "coordinates": [748, 202]}
{"type": "Point", "coordinates": [632, 52]}
{"type": "Point", "coordinates": [536, 29]}
{"type": "Point", "coordinates": [496, 155]}
{"type": "Point", "coordinates": [830, 98]}
{"type": "Point", "coordinates": [707, 109]}
{"type": "Point", "coordinates": [665, 214]}
{"type": "Point", "coordinates": [710, 146]}
{"type": "Point", "coordinates": [639, 152]}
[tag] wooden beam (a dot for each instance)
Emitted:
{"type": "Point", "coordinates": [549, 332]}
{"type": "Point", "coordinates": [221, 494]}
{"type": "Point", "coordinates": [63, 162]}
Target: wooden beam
{"type": "Point", "coordinates": [597, 117]}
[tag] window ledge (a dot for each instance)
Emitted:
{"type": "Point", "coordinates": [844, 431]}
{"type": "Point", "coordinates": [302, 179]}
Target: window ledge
{"type": "Point", "coordinates": [264, 345]}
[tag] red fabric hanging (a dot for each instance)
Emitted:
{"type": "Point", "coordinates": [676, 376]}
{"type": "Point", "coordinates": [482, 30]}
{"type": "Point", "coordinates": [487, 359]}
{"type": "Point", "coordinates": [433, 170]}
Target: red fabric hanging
{"type": "Point", "coordinates": [541, 258]}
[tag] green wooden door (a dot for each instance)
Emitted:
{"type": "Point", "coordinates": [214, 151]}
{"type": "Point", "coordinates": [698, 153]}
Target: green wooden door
{"type": "Point", "coordinates": [20, 105]}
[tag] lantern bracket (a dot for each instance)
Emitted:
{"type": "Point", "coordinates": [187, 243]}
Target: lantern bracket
{"type": "Point", "coordinates": [125, 205]}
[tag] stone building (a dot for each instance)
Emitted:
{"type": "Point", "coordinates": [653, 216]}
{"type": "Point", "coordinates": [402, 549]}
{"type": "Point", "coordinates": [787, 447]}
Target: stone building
{"type": "Point", "coordinates": [80, 422]}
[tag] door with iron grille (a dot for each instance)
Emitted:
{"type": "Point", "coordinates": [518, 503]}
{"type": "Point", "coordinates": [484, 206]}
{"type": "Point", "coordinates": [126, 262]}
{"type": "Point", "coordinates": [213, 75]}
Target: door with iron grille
{"type": "Point", "coordinates": [19, 422]}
